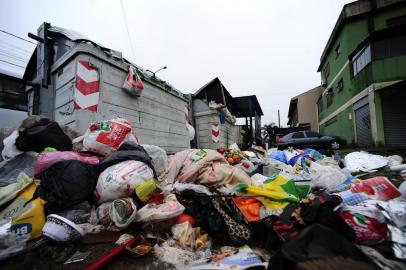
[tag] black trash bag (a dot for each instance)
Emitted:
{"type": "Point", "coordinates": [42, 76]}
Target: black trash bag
{"type": "Point", "coordinates": [127, 151]}
{"type": "Point", "coordinates": [320, 244]}
{"type": "Point", "coordinates": [65, 184]}
{"type": "Point", "coordinates": [41, 134]}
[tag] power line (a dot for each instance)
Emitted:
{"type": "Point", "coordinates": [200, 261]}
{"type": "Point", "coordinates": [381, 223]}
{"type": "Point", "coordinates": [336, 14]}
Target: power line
{"type": "Point", "coordinates": [5, 32]}
{"type": "Point", "coordinates": [12, 51]}
{"type": "Point", "coordinates": [14, 57]}
{"type": "Point", "coordinates": [11, 63]}
{"type": "Point", "coordinates": [6, 44]}
{"type": "Point", "coordinates": [128, 31]}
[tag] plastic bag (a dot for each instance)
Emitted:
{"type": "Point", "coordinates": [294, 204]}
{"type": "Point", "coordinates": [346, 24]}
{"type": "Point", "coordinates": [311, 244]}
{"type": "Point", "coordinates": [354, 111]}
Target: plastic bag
{"type": "Point", "coordinates": [368, 230]}
{"type": "Point", "coordinates": [117, 215]}
{"type": "Point", "coordinates": [191, 131]}
{"type": "Point", "coordinates": [10, 192]}
{"type": "Point", "coordinates": [158, 156]}
{"type": "Point", "coordinates": [190, 238]}
{"type": "Point", "coordinates": [377, 188]}
{"type": "Point", "coordinates": [107, 136]}
{"type": "Point", "coordinates": [47, 159]}
{"type": "Point", "coordinates": [171, 208]}
{"type": "Point", "coordinates": [327, 176]}
{"type": "Point", "coordinates": [79, 213]}
{"type": "Point", "coordinates": [247, 166]}
{"type": "Point", "coordinates": [133, 83]}
{"type": "Point", "coordinates": [394, 160]}
{"type": "Point", "coordinates": [120, 180]}
{"type": "Point", "coordinates": [10, 150]}
{"type": "Point", "coordinates": [27, 219]}
{"type": "Point", "coordinates": [10, 242]}
{"type": "Point", "coordinates": [179, 187]}
{"type": "Point", "coordinates": [9, 170]}
{"type": "Point", "coordinates": [364, 161]}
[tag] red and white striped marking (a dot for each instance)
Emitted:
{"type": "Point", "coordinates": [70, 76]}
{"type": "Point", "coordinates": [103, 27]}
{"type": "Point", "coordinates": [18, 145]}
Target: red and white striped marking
{"type": "Point", "coordinates": [87, 87]}
{"type": "Point", "coordinates": [215, 133]}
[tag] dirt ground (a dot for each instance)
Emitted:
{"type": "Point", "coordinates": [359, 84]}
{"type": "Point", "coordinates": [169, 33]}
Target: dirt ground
{"type": "Point", "coordinates": [53, 257]}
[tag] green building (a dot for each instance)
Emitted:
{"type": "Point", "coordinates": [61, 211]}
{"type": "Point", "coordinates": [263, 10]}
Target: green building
{"type": "Point", "coordinates": [363, 70]}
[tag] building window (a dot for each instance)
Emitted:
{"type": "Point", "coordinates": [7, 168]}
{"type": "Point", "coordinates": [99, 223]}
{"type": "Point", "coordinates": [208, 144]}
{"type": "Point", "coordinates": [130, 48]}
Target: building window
{"type": "Point", "coordinates": [340, 85]}
{"type": "Point", "coordinates": [330, 97]}
{"type": "Point", "coordinates": [338, 50]}
{"type": "Point", "coordinates": [396, 21]}
{"type": "Point", "coordinates": [361, 59]}
{"type": "Point", "coordinates": [325, 72]}
{"type": "Point", "coordinates": [391, 47]}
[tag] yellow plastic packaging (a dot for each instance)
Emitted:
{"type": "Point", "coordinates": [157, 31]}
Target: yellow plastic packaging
{"type": "Point", "coordinates": [28, 219]}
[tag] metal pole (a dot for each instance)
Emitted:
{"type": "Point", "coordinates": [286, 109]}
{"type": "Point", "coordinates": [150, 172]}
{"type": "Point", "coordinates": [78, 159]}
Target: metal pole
{"type": "Point", "coordinates": [279, 119]}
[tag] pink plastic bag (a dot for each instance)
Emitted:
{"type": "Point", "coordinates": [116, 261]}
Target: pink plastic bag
{"type": "Point", "coordinates": [133, 83]}
{"type": "Point", "coordinates": [47, 159]}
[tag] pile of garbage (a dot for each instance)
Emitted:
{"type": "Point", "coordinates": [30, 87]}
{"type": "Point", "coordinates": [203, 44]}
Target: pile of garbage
{"type": "Point", "coordinates": [199, 208]}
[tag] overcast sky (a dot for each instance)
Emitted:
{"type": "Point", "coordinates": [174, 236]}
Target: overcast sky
{"type": "Point", "coordinates": [268, 48]}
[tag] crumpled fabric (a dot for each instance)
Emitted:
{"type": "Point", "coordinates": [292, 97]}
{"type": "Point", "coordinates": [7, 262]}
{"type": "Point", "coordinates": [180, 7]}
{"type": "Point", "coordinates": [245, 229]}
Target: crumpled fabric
{"type": "Point", "coordinates": [171, 208]}
{"type": "Point", "coordinates": [279, 189]}
{"type": "Point", "coordinates": [210, 170]}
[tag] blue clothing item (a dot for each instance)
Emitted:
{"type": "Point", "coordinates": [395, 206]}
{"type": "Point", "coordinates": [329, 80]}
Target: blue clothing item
{"type": "Point", "coordinates": [279, 155]}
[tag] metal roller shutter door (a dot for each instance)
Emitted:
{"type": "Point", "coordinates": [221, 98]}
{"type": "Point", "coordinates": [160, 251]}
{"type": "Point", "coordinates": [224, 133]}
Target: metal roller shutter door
{"type": "Point", "coordinates": [394, 116]}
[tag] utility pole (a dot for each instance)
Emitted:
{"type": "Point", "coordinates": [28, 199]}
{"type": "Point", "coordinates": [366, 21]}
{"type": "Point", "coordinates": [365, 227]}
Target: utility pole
{"type": "Point", "coordinates": [279, 119]}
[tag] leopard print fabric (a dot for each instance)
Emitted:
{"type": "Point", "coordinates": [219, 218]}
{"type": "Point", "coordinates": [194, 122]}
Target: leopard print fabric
{"type": "Point", "coordinates": [238, 233]}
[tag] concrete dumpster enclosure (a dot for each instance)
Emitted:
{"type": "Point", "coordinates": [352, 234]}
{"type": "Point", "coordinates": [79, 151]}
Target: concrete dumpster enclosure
{"type": "Point", "coordinates": [157, 115]}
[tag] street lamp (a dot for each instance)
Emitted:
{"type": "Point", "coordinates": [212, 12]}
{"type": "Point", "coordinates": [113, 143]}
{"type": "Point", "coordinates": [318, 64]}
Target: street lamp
{"type": "Point", "coordinates": [165, 67]}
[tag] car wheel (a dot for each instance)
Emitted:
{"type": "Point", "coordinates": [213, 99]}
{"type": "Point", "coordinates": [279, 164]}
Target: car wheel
{"type": "Point", "coordinates": [290, 147]}
{"type": "Point", "coordinates": [335, 145]}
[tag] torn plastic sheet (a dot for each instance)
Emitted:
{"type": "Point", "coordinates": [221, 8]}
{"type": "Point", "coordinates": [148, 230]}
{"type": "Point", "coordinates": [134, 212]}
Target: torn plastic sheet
{"type": "Point", "coordinates": [399, 241]}
{"type": "Point", "coordinates": [394, 210]}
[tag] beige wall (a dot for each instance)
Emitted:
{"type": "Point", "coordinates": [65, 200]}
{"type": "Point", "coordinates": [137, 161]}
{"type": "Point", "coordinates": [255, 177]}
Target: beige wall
{"type": "Point", "coordinates": [307, 107]}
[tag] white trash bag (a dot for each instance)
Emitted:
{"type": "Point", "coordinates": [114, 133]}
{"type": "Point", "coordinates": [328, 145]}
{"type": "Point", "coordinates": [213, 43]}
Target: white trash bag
{"type": "Point", "coordinates": [327, 176]}
{"type": "Point", "coordinates": [107, 136]}
{"type": "Point", "coordinates": [158, 156]}
{"type": "Point", "coordinates": [121, 179]}
{"type": "Point", "coordinates": [10, 150]}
